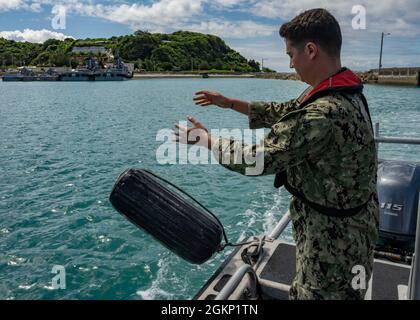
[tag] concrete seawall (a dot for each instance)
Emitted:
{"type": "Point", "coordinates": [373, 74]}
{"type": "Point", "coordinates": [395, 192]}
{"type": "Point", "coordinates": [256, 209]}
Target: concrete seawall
{"type": "Point", "coordinates": [181, 75]}
{"type": "Point", "coordinates": [392, 76]}
{"type": "Point", "coordinates": [396, 76]}
{"type": "Point", "coordinates": [140, 76]}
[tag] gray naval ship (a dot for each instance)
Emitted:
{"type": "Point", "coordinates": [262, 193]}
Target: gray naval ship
{"type": "Point", "coordinates": [27, 74]}
{"type": "Point", "coordinates": [92, 71]}
{"type": "Point", "coordinates": [265, 268]}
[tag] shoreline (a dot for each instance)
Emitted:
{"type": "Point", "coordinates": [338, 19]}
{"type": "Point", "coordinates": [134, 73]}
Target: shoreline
{"type": "Point", "coordinates": [204, 74]}
{"type": "Point", "coordinates": [140, 76]}
{"type": "Point", "coordinates": [367, 77]}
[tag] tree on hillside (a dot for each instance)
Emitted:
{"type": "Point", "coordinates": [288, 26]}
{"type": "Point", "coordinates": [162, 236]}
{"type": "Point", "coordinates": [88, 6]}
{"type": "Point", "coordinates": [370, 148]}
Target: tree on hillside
{"type": "Point", "coordinates": [150, 51]}
{"type": "Point", "coordinates": [254, 65]}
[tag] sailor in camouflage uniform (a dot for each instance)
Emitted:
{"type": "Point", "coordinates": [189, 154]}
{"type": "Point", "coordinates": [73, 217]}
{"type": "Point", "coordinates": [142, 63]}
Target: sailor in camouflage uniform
{"type": "Point", "coordinates": [328, 151]}
{"type": "Point", "coordinates": [321, 148]}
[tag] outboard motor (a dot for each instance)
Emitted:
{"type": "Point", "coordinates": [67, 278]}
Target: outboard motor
{"type": "Point", "coordinates": [398, 192]}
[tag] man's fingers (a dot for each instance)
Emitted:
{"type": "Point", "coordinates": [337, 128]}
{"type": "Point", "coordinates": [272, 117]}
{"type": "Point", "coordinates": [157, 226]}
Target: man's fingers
{"type": "Point", "coordinates": [180, 127]}
{"type": "Point", "coordinates": [200, 98]}
{"type": "Point", "coordinates": [175, 137]}
{"type": "Point", "coordinates": [194, 121]}
{"type": "Point", "coordinates": [202, 101]}
{"type": "Point", "coordinates": [202, 92]}
{"type": "Point", "coordinates": [205, 104]}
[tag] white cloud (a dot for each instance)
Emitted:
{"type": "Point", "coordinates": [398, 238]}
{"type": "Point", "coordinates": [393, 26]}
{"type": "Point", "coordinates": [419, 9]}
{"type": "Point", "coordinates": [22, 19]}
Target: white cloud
{"type": "Point", "coordinates": [360, 47]}
{"type": "Point", "coordinates": [228, 3]}
{"type": "Point", "coordinates": [35, 36]}
{"type": "Point", "coordinates": [160, 13]}
{"type": "Point", "coordinates": [171, 15]}
{"type": "Point", "coordinates": [402, 17]}
{"type": "Point", "coordinates": [272, 51]}
{"type": "Point", "coordinates": [237, 29]}
{"type": "Point", "coordinates": [367, 62]}
{"type": "Point", "coordinates": [6, 5]}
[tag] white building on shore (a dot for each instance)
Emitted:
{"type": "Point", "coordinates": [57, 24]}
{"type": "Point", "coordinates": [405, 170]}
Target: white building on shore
{"type": "Point", "coordinates": [92, 50]}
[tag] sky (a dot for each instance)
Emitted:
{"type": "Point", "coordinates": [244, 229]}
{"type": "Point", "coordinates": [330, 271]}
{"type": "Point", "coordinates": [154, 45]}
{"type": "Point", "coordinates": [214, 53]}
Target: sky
{"type": "Point", "coordinates": [248, 26]}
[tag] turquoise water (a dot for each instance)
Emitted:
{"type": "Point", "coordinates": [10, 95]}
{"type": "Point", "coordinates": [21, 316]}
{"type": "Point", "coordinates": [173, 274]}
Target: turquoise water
{"type": "Point", "coordinates": [64, 144]}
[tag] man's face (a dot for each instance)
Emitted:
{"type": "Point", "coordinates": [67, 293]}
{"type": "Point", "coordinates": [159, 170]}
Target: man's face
{"type": "Point", "coordinates": [299, 59]}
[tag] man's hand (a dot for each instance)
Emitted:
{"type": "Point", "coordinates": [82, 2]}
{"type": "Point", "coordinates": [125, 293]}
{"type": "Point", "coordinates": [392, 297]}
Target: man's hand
{"type": "Point", "coordinates": [198, 134]}
{"type": "Point", "coordinates": [207, 98]}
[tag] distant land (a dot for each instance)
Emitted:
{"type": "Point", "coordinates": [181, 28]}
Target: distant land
{"type": "Point", "coordinates": [178, 51]}
{"type": "Point", "coordinates": [180, 54]}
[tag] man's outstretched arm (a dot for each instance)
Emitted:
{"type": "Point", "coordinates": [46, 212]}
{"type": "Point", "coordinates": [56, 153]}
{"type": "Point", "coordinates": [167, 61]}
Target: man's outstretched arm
{"type": "Point", "coordinates": [261, 114]}
{"type": "Point", "coordinates": [288, 144]}
{"type": "Point", "coordinates": [304, 133]}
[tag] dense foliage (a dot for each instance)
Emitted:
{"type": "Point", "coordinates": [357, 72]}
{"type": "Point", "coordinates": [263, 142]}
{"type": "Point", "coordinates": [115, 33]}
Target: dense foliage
{"type": "Point", "coordinates": [180, 51]}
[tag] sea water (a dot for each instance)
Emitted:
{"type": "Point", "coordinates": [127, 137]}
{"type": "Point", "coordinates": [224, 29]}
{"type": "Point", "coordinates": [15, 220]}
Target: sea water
{"type": "Point", "coordinates": [64, 144]}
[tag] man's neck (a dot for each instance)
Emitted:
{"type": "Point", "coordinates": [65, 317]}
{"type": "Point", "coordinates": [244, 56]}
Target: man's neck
{"type": "Point", "coordinates": [328, 71]}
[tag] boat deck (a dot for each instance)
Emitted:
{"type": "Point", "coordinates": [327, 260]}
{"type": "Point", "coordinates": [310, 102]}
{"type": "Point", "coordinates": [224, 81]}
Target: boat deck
{"type": "Point", "coordinates": [276, 271]}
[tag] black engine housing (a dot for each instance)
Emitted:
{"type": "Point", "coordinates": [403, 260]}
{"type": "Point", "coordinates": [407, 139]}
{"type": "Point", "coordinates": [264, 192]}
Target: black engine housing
{"type": "Point", "coordinates": [398, 192]}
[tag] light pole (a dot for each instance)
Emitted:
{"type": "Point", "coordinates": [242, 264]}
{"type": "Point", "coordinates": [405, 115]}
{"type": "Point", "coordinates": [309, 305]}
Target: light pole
{"type": "Point", "coordinates": [262, 64]}
{"type": "Point", "coordinates": [380, 55]}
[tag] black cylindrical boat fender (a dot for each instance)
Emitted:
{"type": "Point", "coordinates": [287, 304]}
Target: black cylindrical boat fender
{"type": "Point", "coordinates": [151, 204]}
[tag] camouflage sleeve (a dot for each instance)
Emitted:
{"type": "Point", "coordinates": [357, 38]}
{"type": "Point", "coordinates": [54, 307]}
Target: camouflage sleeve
{"type": "Point", "coordinates": [301, 134]}
{"type": "Point", "coordinates": [265, 114]}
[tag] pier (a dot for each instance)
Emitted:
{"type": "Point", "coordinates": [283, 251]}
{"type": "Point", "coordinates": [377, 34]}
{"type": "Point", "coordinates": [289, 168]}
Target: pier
{"type": "Point", "coordinates": [405, 76]}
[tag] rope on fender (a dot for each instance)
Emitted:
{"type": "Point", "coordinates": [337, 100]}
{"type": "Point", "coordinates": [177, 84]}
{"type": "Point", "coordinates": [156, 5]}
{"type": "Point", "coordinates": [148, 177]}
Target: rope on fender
{"type": "Point", "coordinates": [252, 254]}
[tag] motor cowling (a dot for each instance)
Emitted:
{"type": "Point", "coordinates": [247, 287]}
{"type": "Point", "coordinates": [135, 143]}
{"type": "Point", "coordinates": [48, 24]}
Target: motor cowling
{"type": "Point", "coordinates": [398, 193]}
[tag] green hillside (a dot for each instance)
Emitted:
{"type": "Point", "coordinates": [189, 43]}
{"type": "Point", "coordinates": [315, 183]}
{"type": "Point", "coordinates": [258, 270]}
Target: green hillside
{"type": "Point", "coordinates": [180, 50]}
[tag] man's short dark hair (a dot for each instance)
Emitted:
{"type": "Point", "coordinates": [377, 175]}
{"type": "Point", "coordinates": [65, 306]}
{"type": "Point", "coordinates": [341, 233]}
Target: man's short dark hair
{"type": "Point", "coordinates": [315, 25]}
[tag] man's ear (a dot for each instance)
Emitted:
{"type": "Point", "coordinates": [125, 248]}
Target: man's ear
{"type": "Point", "coordinates": [311, 49]}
